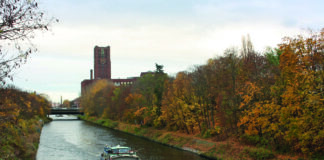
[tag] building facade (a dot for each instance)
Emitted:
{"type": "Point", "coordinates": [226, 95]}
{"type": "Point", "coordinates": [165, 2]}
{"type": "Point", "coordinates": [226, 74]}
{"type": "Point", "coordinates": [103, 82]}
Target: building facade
{"type": "Point", "coordinates": [102, 69]}
{"type": "Point", "coordinates": [102, 63]}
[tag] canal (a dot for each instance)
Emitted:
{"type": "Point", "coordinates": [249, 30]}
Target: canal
{"type": "Point", "coordinates": [66, 138]}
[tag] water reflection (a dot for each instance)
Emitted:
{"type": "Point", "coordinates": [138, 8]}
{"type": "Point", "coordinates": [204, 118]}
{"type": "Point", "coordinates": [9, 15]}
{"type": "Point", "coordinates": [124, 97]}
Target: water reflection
{"type": "Point", "coordinates": [67, 138]}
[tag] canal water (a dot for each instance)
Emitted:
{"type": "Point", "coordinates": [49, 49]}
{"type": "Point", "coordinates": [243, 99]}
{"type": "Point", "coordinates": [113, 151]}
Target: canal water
{"type": "Point", "coordinates": [66, 138]}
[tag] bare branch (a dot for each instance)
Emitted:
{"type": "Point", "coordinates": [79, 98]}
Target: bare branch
{"type": "Point", "coordinates": [19, 19]}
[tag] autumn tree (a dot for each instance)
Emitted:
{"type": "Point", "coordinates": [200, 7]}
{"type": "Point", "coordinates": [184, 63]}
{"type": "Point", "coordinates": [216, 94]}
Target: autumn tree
{"type": "Point", "coordinates": [200, 85]}
{"type": "Point", "coordinates": [19, 21]}
{"type": "Point", "coordinates": [293, 116]}
{"type": "Point", "coordinates": [151, 87]}
{"type": "Point", "coordinates": [176, 106]}
{"type": "Point", "coordinates": [216, 88]}
{"type": "Point", "coordinates": [118, 104]}
{"type": "Point", "coordinates": [66, 103]}
{"type": "Point", "coordinates": [97, 98]}
{"type": "Point", "coordinates": [145, 86]}
{"type": "Point", "coordinates": [136, 104]}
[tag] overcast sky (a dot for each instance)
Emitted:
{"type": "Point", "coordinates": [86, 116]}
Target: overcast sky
{"type": "Point", "coordinates": [175, 33]}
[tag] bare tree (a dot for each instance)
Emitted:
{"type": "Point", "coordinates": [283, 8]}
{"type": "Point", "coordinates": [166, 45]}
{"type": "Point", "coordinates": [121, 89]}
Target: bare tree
{"type": "Point", "coordinates": [19, 19]}
{"type": "Point", "coordinates": [247, 47]}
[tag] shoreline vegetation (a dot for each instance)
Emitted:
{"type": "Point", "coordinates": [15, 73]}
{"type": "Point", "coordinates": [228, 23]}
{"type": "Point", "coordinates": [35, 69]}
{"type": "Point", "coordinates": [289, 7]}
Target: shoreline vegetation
{"type": "Point", "coordinates": [22, 115]}
{"type": "Point", "coordinates": [257, 105]}
{"type": "Point", "coordinates": [23, 145]}
{"type": "Point", "coordinates": [205, 147]}
{"type": "Point", "coordinates": [27, 135]}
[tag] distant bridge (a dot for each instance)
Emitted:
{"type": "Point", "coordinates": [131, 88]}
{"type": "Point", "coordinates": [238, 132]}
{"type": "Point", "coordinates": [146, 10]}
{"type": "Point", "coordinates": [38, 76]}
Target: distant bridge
{"type": "Point", "coordinates": [66, 111]}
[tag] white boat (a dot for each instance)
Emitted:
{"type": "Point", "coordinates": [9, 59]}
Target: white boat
{"type": "Point", "coordinates": [118, 153]}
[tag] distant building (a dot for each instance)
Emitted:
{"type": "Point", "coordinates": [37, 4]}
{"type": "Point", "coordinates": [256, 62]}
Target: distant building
{"type": "Point", "coordinates": [102, 63]}
{"type": "Point", "coordinates": [75, 103]}
{"type": "Point", "coordinates": [145, 73]}
{"type": "Point", "coordinates": [102, 69]}
{"type": "Point", "coordinates": [55, 104]}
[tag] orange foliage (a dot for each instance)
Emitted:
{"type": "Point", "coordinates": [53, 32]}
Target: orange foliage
{"type": "Point", "coordinates": [294, 114]}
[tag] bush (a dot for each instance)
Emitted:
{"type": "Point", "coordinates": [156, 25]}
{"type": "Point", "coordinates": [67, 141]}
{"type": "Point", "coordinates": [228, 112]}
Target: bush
{"type": "Point", "coordinates": [259, 153]}
{"type": "Point", "coordinates": [207, 134]}
{"type": "Point", "coordinates": [100, 121]}
{"type": "Point", "coordinates": [92, 119]}
{"type": "Point", "coordinates": [140, 131]}
{"type": "Point", "coordinates": [254, 140]}
{"type": "Point", "coordinates": [156, 135]}
{"type": "Point", "coordinates": [114, 124]}
{"type": "Point", "coordinates": [109, 123]}
{"type": "Point", "coordinates": [211, 132]}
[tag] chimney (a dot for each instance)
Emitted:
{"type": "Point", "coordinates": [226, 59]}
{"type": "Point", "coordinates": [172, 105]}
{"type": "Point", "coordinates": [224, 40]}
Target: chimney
{"type": "Point", "coordinates": [91, 77]}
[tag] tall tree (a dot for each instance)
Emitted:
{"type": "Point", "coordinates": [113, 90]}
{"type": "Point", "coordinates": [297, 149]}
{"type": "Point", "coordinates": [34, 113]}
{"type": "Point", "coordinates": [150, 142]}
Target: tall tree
{"type": "Point", "coordinates": [159, 77]}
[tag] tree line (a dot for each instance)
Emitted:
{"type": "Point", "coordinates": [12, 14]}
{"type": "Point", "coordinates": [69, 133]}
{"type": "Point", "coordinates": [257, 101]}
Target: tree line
{"type": "Point", "coordinates": [274, 98]}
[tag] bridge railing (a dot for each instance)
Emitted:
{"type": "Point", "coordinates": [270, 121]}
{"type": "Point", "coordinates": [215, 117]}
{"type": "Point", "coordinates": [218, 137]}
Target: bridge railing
{"type": "Point", "coordinates": [66, 111]}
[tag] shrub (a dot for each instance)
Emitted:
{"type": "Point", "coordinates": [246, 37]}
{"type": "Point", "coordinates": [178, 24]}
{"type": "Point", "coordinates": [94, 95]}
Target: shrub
{"type": "Point", "coordinates": [259, 153]}
{"type": "Point", "coordinates": [254, 140]}
{"type": "Point", "coordinates": [166, 138]}
{"type": "Point", "coordinates": [109, 123]}
{"type": "Point", "coordinates": [100, 121]}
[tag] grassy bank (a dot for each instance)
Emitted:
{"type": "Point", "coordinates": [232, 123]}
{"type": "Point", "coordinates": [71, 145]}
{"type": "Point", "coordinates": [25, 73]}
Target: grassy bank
{"type": "Point", "coordinates": [229, 149]}
{"type": "Point", "coordinates": [20, 142]}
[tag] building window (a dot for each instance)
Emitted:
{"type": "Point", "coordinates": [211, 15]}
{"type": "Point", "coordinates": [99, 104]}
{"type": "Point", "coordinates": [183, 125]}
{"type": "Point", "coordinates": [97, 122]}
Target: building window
{"type": "Point", "coordinates": [102, 53]}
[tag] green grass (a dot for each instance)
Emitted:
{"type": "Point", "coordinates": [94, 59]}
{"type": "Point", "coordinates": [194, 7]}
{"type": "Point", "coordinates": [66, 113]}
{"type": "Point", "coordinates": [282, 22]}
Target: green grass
{"type": "Point", "coordinates": [166, 138]}
{"type": "Point", "coordinates": [103, 122]}
{"type": "Point", "coordinates": [140, 131]}
{"type": "Point", "coordinates": [126, 129]}
{"type": "Point", "coordinates": [100, 121]}
{"type": "Point", "coordinates": [259, 153]}
{"type": "Point", "coordinates": [181, 141]}
{"type": "Point", "coordinates": [213, 151]}
{"type": "Point", "coordinates": [156, 135]}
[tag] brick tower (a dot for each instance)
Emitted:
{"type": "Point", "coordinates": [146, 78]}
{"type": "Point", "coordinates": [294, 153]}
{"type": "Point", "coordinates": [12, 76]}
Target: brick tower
{"type": "Point", "coordinates": [102, 64]}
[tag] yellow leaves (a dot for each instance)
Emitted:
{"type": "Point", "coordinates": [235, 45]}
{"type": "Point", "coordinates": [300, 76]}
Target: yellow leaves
{"type": "Point", "coordinates": [260, 118]}
{"type": "Point", "coordinates": [97, 97]}
{"type": "Point", "coordinates": [9, 110]}
{"type": "Point", "coordinates": [273, 127]}
{"type": "Point", "coordinates": [140, 111]}
{"type": "Point", "coordinates": [192, 107]}
{"type": "Point", "coordinates": [243, 121]}
{"type": "Point", "coordinates": [41, 112]}
{"type": "Point", "coordinates": [295, 113]}
{"type": "Point", "coordinates": [66, 103]}
{"type": "Point", "coordinates": [17, 108]}
{"type": "Point", "coordinates": [251, 130]}
{"type": "Point", "coordinates": [180, 105]}
{"type": "Point", "coordinates": [98, 85]}
{"type": "Point", "coordinates": [251, 90]}
{"type": "Point", "coordinates": [28, 104]}
{"type": "Point", "coordinates": [134, 99]}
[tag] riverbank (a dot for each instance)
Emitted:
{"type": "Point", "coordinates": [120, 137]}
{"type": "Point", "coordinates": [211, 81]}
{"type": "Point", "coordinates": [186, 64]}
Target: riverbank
{"type": "Point", "coordinates": [229, 149]}
{"type": "Point", "coordinates": [21, 142]}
